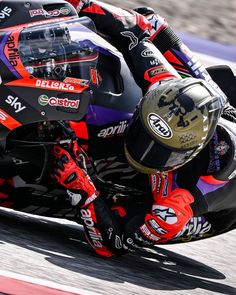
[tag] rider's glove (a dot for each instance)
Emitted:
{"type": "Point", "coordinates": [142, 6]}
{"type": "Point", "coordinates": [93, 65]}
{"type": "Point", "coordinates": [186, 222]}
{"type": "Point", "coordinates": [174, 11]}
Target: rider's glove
{"type": "Point", "coordinates": [70, 171]}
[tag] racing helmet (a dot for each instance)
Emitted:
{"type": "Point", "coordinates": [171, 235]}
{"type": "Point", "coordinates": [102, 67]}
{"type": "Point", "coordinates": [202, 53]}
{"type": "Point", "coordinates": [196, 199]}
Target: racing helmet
{"type": "Point", "coordinates": [172, 124]}
{"type": "Point", "coordinates": [45, 73]}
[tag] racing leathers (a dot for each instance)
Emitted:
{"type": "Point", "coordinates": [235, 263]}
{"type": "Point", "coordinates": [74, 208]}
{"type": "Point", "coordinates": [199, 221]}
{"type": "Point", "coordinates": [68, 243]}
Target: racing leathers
{"type": "Point", "coordinates": [154, 54]}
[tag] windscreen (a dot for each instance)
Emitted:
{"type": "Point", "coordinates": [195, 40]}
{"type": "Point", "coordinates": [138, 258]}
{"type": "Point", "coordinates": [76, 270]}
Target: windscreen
{"type": "Point", "coordinates": [63, 52]}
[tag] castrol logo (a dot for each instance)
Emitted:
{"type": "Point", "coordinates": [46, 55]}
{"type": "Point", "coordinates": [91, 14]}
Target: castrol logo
{"type": "Point", "coordinates": [159, 126]}
{"type": "Point", "coordinates": [44, 100]}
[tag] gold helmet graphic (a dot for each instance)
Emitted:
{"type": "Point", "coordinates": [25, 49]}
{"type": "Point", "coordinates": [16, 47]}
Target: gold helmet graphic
{"type": "Point", "coordinates": [172, 124]}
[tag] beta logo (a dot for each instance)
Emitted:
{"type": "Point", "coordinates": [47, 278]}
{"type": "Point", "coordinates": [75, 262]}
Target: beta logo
{"type": "Point", "coordinates": [44, 100]}
{"type": "Point", "coordinates": [159, 126]}
{"type": "Point", "coordinates": [5, 12]}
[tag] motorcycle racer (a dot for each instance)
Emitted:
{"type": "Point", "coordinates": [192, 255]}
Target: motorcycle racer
{"type": "Point", "coordinates": [177, 195]}
{"type": "Point", "coordinates": [172, 200]}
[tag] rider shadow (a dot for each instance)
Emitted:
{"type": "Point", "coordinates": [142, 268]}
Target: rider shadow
{"type": "Point", "coordinates": [160, 269]}
{"type": "Point", "coordinates": [155, 269]}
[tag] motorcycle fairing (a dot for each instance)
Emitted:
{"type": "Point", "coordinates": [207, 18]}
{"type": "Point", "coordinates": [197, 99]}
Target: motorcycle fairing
{"type": "Point", "coordinates": [28, 94]}
{"type": "Point", "coordinates": [28, 13]}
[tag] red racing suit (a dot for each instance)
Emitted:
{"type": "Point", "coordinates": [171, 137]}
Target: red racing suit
{"type": "Point", "coordinates": [153, 53]}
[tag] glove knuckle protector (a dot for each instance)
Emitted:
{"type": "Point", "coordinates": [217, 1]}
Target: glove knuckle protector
{"type": "Point", "coordinates": [169, 215]}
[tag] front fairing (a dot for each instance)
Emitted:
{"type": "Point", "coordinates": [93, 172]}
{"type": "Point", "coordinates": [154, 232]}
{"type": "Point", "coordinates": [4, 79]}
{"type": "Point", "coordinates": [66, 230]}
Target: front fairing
{"type": "Point", "coordinates": [45, 79]}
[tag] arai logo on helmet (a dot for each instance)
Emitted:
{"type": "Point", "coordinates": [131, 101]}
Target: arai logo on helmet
{"type": "Point", "coordinates": [159, 126]}
{"type": "Point", "coordinates": [58, 102]}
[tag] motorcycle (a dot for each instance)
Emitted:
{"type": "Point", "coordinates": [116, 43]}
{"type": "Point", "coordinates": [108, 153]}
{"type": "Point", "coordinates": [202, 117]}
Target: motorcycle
{"type": "Point", "coordinates": [89, 77]}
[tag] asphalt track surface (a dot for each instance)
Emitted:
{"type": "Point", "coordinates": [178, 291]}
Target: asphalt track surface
{"type": "Point", "coordinates": [55, 252]}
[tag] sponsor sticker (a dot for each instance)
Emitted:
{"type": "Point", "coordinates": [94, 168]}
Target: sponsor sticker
{"type": "Point", "coordinates": [3, 116]}
{"type": "Point", "coordinates": [157, 23]}
{"type": "Point", "coordinates": [5, 12]}
{"type": "Point", "coordinates": [166, 214]}
{"type": "Point", "coordinates": [159, 126]}
{"type": "Point", "coordinates": [44, 100]}
{"type": "Point", "coordinates": [8, 121]}
{"type": "Point", "coordinates": [112, 130]}
{"type": "Point", "coordinates": [156, 71]}
{"type": "Point", "coordinates": [15, 103]}
{"type": "Point", "coordinates": [11, 51]}
{"type": "Point", "coordinates": [52, 13]}
{"type": "Point", "coordinates": [196, 227]}
{"type": "Point", "coordinates": [146, 232]}
{"type": "Point", "coordinates": [147, 53]}
{"type": "Point", "coordinates": [54, 85]}
{"type": "Point", "coordinates": [156, 227]}
{"type": "Point", "coordinates": [153, 182]}
{"type": "Point", "coordinates": [48, 84]}
{"type": "Point", "coordinates": [159, 182]}
{"type": "Point", "coordinates": [157, 62]}
{"type": "Point", "coordinates": [81, 82]}
{"type": "Point", "coordinates": [93, 232]}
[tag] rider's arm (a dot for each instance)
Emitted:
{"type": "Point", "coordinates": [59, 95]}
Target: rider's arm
{"type": "Point", "coordinates": [129, 32]}
{"type": "Point", "coordinates": [169, 213]}
{"type": "Point", "coordinates": [103, 232]}
{"type": "Point", "coordinates": [132, 32]}
{"type": "Point", "coordinates": [175, 202]}
{"type": "Point", "coordinates": [175, 51]}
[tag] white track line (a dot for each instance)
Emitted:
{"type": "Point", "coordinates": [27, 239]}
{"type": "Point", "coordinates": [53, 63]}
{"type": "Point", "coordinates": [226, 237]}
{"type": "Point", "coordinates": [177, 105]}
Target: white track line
{"type": "Point", "coordinates": [44, 283]}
